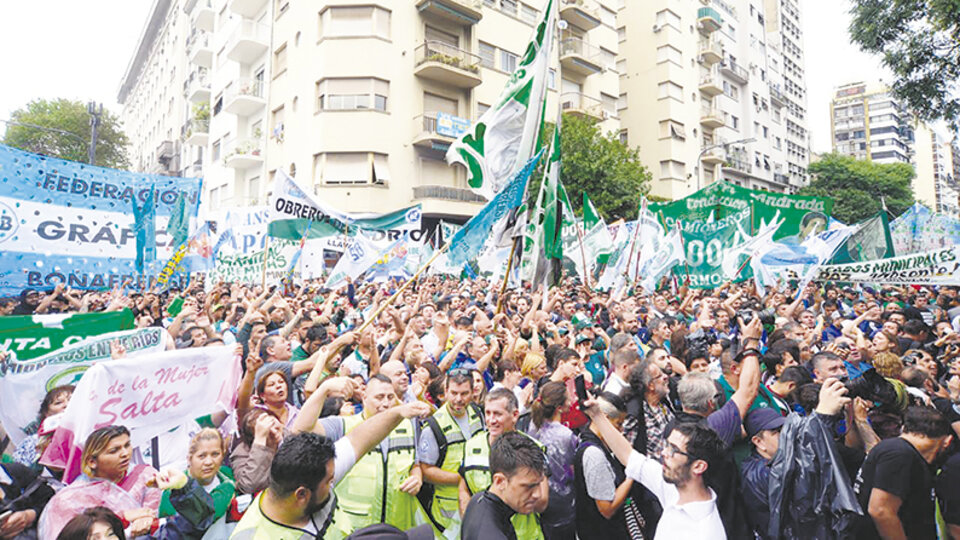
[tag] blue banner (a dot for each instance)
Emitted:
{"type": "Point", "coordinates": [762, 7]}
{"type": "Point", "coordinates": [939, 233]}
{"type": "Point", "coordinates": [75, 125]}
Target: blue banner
{"type": "Point", "coordinates": [68, 222]}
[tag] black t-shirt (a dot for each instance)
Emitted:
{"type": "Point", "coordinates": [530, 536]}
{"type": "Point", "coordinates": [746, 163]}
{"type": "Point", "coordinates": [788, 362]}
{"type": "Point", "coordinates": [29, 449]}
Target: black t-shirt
{"type": "Point", "coordinates": [487, 518]}
{"type": "Point", "coordinates": [896, 467]}
{"type": "Point", "coordinates": [948, 490]}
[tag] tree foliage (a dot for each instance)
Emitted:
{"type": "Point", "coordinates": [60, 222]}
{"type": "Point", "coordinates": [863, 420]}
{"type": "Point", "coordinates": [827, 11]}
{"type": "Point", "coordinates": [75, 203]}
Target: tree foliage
{"type": "Point", "coordinates": [859, 188]}
{"type": "Point", "coordinates": [72, 117]}
{"type": "Point", "coordinates": [920, 42]}
{"type": "Point", "coordinates": [608, 170]}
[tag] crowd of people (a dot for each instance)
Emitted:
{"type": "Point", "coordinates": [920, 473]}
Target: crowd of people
{"type": "Point", "coordinates": [453, 411]}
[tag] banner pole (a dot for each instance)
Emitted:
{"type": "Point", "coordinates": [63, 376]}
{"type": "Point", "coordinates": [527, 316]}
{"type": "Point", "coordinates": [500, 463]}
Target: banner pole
{"type": "Point", "coordinates": [263, 272]}
{"type": "Point", "coordinates": [583, 256]}
{"type": "Point", "coordinates": [633, 244]}
{"type": "Point", "coordinates": [506, 276]}
{"type": "Point", "coordinates": [402, 288]}
{"type": "Point", "coordinates": [686, 265]}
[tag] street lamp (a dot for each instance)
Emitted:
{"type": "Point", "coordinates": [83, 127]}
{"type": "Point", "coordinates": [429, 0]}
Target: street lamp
{"type": "Point", "coordinates": [95, 113]}
{"type": "Point", "coordinates": [725, 145]}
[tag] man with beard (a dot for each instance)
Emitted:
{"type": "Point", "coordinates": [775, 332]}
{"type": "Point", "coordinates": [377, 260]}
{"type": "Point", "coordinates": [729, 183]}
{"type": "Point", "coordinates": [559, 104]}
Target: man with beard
{"type": "Point", "coordinates": [297, 503]}
{"type": "Point", "coordinates": [689, 506]}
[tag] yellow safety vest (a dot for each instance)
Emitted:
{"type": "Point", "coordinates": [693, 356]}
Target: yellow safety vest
{"type": "Point", "coordinates": [370, 492]}
{"type": "Point", "coordinates": [445, 506]}
{"type": "Point", "coordinates": [475, 470]}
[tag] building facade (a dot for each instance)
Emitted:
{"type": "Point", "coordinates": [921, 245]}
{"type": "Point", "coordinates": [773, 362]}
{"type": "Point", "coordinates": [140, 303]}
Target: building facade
{"type": "Point", "coordinates": [868, 123]}
{"type": "Point", "coordinates": [714, 89]}
{"type": "Point", "coordinates": [359, 100]}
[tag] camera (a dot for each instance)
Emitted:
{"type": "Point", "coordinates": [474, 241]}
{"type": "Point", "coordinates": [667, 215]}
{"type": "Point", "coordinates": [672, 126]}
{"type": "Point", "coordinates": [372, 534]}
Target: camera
{"type": "Point", "coordinates": [873, 387]}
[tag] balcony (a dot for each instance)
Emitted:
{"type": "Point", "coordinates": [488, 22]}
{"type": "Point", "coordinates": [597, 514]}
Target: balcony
{"type": "Point", "coordinates": [776, 97]}
{"type": "Point", "coordinates": [713, 156]}
{"type": "Point", "coordinates": [446, 193]}
{"type": "Point", "coordinates": [198, 87]}
{"type": "Point", "coordinates": [243, 153]}
{"type": "Point", "coordinates": [580, 105]}
{"type": "Point", "coordinates": [462, 12]}
{"type": "Point", "coordinates": [202, 16]}
{"type": "Point", "coordinates": [711, 118]}
{"type": "Point", "coordinates": [781, 178]}
{"type": "Point", "coordinates": [708, 20]}
{"type": "Point", "coordinates": [578, 56]}
{"type": "Point", "coordinates": [249, 41]}
{"type": "Point", "coordinates": [735, 72]}
{"type": "Point", "coordinates": [244, 97]}
{"type": "Point", "coordinates": [247, 8]}
{"type": "Point", "coordinates": [447, 64]}
{"type": "Point", "coordinates": [711, 51]}
{"type": "Point", "coordinates": [580, 13]}
{"type": "Point", "coordinates": [165, 151]}
{"type": "Point", "coordinates": [711, 85]}
{"type": "Point", "coordinates": [198, 131]}
{"type": "Point", "coordinates": [739, 163]}
{"type": "Point", "coordinates": [199, 50]}
{"type": "Point", "coordinates": [436, 131]}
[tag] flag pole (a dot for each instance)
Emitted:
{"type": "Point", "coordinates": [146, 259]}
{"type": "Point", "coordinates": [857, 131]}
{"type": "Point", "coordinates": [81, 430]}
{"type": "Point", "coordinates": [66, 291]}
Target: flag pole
{"type": "Point", "coordinates": [636, 232]}
{"type": "Point", "coordinates": [583, 255]}
{"type": "Point", "coordinates": [686, 265]}
{"type": "Point", "coordinates": [402, 288]}
{"type": "Point", "coordinates": [263, 272]}
{"type": "Point", "coordinates": [506, 276]}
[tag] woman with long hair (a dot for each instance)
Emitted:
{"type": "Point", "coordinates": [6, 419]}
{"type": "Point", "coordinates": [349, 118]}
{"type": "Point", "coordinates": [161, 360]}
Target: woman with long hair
{"type": "Point", "coordinates": [260, 435]}
{"type": "Point", "coordinates": [558, 520]}
{"type": "Point", "coordinates": [55, 402]}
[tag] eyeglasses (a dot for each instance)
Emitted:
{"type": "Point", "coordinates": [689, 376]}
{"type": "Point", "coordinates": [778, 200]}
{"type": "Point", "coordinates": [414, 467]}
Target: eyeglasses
{"type": "Point", "coordinates": [670, 449]}
{"type": "Point", "coordinates": [460, 372]}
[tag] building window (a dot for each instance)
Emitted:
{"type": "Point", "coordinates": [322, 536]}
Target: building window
{"type": "Point", "coordinates": [280, 59]}
{"type": "Point", "coordinates": [622, 102]}
{"type": "Point", "coordinates": [253, 190]}
{"type": "Point", "coordinates": [609, 104]}
{"type": "Point", "coordinates": [488, 55]}
{"type": "Point", "coordinates": [508, 61]}
{"type": "Point", "coordinates": [352, 168]}
{"type": "Point", "coordinates": [668, 53]}
{"type": "Point", "coordinates": [481, 109]}
{"type": "Point", "coordinates": [622, 34]}
{"type": "Point", "coordinates": [352, 94]}
{"type": "Point", "coordinates": [349, 21]}
{"type": "Point", "coordinates": [529, 14]}
{"type": "Point", "coordinates": [276, 124]}
{"type": "Point", "coordinates": [552, 79]}
{"type": "Point", "coordinates": [608, 16]}
{"type": "Point", "coordinates": [623, 136]}
{"type": "Point", "coordinates": [669, 89]}
{"type": "Point", "coordinates": [215, 151]}
{"type": "Point", "coordinates": [670, 129]}
{"type": "Point", "coordinates": [509, 7]}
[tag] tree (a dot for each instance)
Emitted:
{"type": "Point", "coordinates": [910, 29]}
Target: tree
{"type": "Point", "coordinates": [72, 117]}
{"type": "Point", "coordinates": [859, 188]}
{"type": "Point", "coordinates": [608, 170]}
{"type": "Point", "coordinates": [920, 43]}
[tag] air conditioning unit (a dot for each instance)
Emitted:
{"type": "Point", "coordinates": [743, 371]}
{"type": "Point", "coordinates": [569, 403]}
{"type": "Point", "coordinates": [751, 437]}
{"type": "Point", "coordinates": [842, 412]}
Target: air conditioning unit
{"type": "Point", "coordinates": [657, 28]}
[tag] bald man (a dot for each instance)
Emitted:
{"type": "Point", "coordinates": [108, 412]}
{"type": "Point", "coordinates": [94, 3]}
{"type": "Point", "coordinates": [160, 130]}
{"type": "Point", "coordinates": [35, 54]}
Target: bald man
{"type": "Point", "coordinates": [397, 372]}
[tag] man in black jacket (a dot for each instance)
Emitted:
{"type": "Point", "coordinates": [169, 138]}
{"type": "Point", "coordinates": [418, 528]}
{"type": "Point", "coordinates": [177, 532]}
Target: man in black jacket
{"type": "Point", "coordinates": [518, 467]}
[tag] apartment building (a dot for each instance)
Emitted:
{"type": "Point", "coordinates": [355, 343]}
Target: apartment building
{"type": "Point", "coordinates": [936, 161]}
{"type": "Point", "coordinates": [155, 97]}
{"type": "Point", "coordinates": [866, 122]}
{"type": "Point", "coordinates": [714, 89]}
{"type": "Point", "coordinates": [360, 100]}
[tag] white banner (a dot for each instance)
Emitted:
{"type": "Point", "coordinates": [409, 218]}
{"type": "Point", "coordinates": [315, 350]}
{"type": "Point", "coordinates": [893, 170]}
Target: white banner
{"type": "Point", "coordinates": [23, 384]}
{"type": "Point", "coordinates": [936, 267]}
{"type": "Point", "coordinates": [149, 395]}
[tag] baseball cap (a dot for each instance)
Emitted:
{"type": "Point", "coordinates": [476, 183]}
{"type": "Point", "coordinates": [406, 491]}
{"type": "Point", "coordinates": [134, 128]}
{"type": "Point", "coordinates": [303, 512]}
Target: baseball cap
{"type": "Point", "coordinates": [382, 531]}
{"type": "Point", "coordinates": [581, 338]}
{"type": "Point", "coordinates": [761, 419]}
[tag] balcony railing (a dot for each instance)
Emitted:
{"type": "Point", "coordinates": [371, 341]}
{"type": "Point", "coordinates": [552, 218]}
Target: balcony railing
{"type": "Point", "coordinates": [578, 103]}
{"type": "Point", "coordinates": [739, 163]}
{"type": "Point", "coordinates": [243, 152]}
{"type": "Point", "coordinates": [709, 20]}
{"type": "Point", "coordinates": [245, 87]}
{"type": "Point", "coordinates": [438, 51]}
{"type": "Point", "coordinates": [196, 126]}
{"type": "Point", "coordinates": [579, 47]}
{"type": "Point", "coordinates": [777, 96]}
{"type": "Point", "coordinates": [578, 56]}
{"type": "Point", "coordinates": [248, 41]}
{"type": "Point", "coordinates": [447, 193]}
{"type": "Point", "coordinates": [711, 50]}
{"type": "Point", "coordinates": [734, 71]}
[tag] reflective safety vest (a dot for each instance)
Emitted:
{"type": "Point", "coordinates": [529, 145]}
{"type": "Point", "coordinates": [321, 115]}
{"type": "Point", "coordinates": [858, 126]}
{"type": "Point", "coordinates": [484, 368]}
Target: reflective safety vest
{"type": "Point", "coordinates": [445, 506]}
{"type": "Point", "coordinates": [475, 470]}
{"type": "Point", "coordinates": [370, 492]}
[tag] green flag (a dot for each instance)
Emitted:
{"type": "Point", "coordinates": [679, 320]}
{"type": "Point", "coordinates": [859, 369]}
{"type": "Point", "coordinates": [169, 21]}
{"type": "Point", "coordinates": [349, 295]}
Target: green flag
{"type": "Point", "coordinates": [596, 238]}
{"type": "Point", "coordinates": [504, 137]}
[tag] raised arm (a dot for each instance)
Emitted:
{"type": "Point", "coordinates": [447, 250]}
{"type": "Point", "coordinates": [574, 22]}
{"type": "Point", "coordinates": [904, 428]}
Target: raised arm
{"type": "Point", "coordinates": [369, 434]}
{"type": "Point", "coordinates": [749, 367]}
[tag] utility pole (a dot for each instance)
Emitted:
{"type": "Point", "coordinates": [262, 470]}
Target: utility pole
{"type": "Point", "coordinates": [95, 111]}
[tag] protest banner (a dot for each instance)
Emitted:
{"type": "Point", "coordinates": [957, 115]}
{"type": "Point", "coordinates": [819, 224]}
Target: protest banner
{"type": "Point", "coordinates": [24, 383]}
{"type": "Point", "coordinates": [705, 244]}
{"type": "Point", "coordinates": [248, 269]}
{"type": "Point", "coordinates": [936, 267]}
{"type": "Point", "coordinates": [802, 215]}
{"type": "Point", "coordinates": [918, 229]}
{"type": "Point", "coordinates": [149, 395]}
{"type": "Point", "coordinates": [30, 336]}
{"type": "Point", "coordinates": [73, 223]}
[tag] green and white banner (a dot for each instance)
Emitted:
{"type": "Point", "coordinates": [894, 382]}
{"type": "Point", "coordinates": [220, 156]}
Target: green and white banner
{"type": "Point", "coordinates": [30, 336]}
{"type": "Point", "coordinates": [803, 216]}
{"type": "Point", "coordinates": [24, 383]}
{"type": "Point", "coordinates": [295, 214]}
{"type": "Point", "coordinates": [936, 267]}
{"type": "Point", "coordinates": [705, 244]}
{"type": "Point", "coordinates": [248, 269]}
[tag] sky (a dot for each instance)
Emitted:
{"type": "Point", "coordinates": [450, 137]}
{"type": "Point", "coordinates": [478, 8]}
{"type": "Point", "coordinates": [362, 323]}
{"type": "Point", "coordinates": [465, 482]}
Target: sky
{"type": "Point", "coordinates": [83, 51]}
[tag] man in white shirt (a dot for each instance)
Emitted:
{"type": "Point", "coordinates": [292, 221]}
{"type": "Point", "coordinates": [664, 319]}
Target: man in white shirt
{"type": "Point", "coordinates": [623, 362]}
{"type": "Point", "coordinates": [689, 506]}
